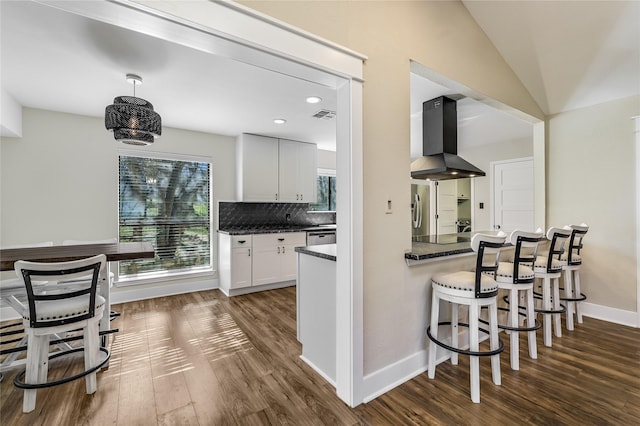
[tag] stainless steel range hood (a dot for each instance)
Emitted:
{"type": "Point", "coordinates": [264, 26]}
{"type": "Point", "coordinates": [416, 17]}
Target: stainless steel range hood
{"type": "Point", "coordinates": [440, 159]}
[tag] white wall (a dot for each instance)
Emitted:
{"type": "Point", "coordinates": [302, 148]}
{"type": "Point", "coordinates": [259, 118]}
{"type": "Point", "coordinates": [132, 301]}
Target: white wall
{"type": "Point", "coordinates": [590, 174]}
{"type": "Point", "coordinates": [60, 180]}
{"type": "Point", "coordinates": [481, 157]}
{"type": "Point", "coordinates": [443, 37]}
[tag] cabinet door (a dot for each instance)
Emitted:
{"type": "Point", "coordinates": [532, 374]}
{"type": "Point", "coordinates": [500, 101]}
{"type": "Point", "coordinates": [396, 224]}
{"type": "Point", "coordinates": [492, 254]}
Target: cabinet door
{"type": "Point", "coordinates": [257, 168]}
{"type": "Point", "coordinates": [288, 255]}
{"type": "Point", "coordinates": [464, 188]}
{"type": "Point", "coordinates": [240, 267]}
{"type": "Point", "coordinates": [266, 265]}
{"type": "Point", "coordinates": [288, 182]}
{"type": "Point", "coordinates": [307, 172]}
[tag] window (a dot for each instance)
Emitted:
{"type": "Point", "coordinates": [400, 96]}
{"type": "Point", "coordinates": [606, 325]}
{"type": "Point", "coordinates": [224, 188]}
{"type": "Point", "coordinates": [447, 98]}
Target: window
{"type": "Point", "coordinates": [326, 201]}
{"type": "Point", "coordinates": [166, 202]}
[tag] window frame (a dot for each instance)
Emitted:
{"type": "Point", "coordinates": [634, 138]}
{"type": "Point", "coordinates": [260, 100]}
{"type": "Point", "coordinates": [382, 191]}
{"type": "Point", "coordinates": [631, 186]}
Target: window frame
{"type": "Point", "coordinates": [331, 173]}
{"type": "Point", "coordinates": [160, 276]}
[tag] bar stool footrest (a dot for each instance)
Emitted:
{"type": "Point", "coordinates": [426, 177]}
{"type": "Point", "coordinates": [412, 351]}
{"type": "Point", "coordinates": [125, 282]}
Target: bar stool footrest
{"type": "Point", "coordinates": [575, 299]}
{"type": "Point", "coordinates": [19, 383]}
{"type": "Point", "coordinates": [462, 351]}
{"type": "Point", "coordinates": [506, 327]}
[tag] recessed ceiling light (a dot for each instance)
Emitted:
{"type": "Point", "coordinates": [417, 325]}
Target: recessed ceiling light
{"type": "Point", "coordinates": [454, 173]}
{"type": "Point", "coordinates": [279, 121]}
{"type": "Point", "coordinates": [314, 99]}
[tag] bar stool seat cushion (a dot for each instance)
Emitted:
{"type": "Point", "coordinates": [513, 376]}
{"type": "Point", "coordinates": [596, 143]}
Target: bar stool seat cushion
{"type": "Point", "coordinates": [505, 272]}
{"type": "Point", "coordinates": [465, 281]}
{"type": "Point", "coordinates": [70, 308]}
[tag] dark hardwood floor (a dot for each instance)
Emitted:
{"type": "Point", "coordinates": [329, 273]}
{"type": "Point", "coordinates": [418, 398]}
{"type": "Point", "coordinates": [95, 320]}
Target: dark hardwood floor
{"type": "Point", "coordinates": [205, 359]}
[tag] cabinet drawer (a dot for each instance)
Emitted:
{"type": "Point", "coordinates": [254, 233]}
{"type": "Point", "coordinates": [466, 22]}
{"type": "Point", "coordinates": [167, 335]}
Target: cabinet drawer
{"type": "Point", "coordinates": [238, 241]}
{"type": "Point", "coordinates": [280, 239]}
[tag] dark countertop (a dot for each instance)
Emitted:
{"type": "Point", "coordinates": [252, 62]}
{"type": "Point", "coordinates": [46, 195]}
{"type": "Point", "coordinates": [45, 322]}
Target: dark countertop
{"type": "Point", "coordinates": [274, 229]}
{"type": "Point", "coordinates": [324, 251]}
{"type": "Point", "coordinates": [429, 247]}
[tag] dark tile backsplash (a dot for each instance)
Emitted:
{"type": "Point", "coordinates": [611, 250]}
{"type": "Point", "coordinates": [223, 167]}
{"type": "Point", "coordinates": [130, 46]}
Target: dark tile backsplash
{"type": "Point", "coordinates": [237, 215]}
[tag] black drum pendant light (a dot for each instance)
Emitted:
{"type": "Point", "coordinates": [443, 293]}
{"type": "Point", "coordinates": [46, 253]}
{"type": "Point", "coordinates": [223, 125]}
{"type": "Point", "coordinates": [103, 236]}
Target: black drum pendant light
{"type": "Point", "coordinates": [133, 120]}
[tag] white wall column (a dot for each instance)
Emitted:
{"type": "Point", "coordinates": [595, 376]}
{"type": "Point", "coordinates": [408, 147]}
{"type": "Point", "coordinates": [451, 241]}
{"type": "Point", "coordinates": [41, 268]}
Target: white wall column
{"type": "Point", "coordinates": [636, 120]}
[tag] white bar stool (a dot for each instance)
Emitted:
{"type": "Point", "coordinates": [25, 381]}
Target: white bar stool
{"type": "Point", "coordinates": [516, 277]}
{"type": "Point", "coordinates": [476, 290]}
{"type": "Point", "coordinates": [573, 260]}
{"type": "Point", "coordinates": [548, 268]}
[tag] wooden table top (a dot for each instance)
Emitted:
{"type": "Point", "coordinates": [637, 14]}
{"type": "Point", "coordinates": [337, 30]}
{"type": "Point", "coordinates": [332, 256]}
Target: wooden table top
{"type": "Point", "coordinates": [113, 252]}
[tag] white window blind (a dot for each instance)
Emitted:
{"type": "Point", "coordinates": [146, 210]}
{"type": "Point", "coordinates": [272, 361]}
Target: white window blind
{"type": "Point", "coordinates": [166, 202]}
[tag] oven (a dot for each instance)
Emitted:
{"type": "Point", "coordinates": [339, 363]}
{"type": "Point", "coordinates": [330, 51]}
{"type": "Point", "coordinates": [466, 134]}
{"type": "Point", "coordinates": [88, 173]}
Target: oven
{"type": "Point", "coordinates": [315, 238]}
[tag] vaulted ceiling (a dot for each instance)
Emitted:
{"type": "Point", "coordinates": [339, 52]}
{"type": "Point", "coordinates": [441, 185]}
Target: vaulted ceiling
{"type": "Point", "coordinates": [568, 54]}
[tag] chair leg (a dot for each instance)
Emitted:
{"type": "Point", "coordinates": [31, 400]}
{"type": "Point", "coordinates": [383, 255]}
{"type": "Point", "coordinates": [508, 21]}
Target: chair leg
{"type": "Point", "coordinates": [578, 293]}
{"type": "Point", "coordinates": [36, 369]}
{"type": "Point", "coordinates": [546, 305]}
{"type": "Point", "coordinates": [531, 322]}
{"type": "Point", "coordinates": [515, 336]}
{"type": "Point", "coordinates": [495, 342]}
{"type": "Point", "coordinates": [454, 332]}
{"type": "Point", "coordinates": [556, 307]}
{"type": "Point", "coordinates": [568, 293]}
{"type": "Point", "coordinates": [435, 308]}
{"type": "Point", "coordinates": [473, 346]}
{"type": "Point", "coordinates": [91, 354]}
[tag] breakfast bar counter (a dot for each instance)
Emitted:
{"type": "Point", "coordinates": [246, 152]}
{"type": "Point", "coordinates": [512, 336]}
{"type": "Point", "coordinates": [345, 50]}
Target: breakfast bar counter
{"type": "Point", "coordinates": [316, 308]}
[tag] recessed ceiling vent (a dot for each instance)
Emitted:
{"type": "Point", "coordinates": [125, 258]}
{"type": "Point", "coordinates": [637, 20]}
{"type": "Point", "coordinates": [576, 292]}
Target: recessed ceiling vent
{"type": "Point", "coordinates": [325, 114]}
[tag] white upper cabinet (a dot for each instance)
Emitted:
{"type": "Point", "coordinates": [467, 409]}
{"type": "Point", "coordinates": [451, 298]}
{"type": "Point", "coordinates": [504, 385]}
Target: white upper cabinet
{"type": "Point", "coordinates": [297, 171]}
{"type": "Point", "coordinates": [464, 188]}
{"type": "Point", "coordinates": [271, 169]}
{"type": "Point", "coordinates": [257, 168]}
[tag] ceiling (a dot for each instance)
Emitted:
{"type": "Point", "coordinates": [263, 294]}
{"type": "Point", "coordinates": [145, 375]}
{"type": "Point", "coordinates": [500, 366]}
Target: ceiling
{"type": "Point", "coordinates": [59, 61]}
{"type": "Point", "coordinates": [567, 54]}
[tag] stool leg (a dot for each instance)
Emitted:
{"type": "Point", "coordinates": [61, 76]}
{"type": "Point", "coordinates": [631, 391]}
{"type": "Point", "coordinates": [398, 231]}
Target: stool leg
{"type": "Point", "coordinates": [578, 293]}
{"type": "Point", "coordinates": [454, 332]}
{"type": "Point", "coordinates": [531, 322]}
{"type": "Point", "coordinates": [546, 305]}
{"type": "Point", "coordinates": [515, 336]}
{"type": "Point", "coordinates": [495, 342]}
{"type": "Point", "coordinates": [35, 368]}
{"type": "Point", "coordinates": [91, 353]}
{"type": "Point", "coordinates": [568, 293]}
{"type": "Point", "coordinates": [473, 346]}
{"type": "Point", "coordinates": [435, 308]}
{"type": "Point", "coordinates": [556, 307]}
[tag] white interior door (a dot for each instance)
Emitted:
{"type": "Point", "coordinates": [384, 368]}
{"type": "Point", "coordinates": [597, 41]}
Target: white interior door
{"type": "Point", "coordinates": [513, 195]}
{"type": "Point", "coordinates": [447, 207]}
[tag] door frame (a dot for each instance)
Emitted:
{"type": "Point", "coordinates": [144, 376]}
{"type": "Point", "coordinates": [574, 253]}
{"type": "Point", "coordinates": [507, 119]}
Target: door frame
{"type": "Point", "coordinates": [636, 120]}
{"type": "Point", "coordinates": [238, 32]}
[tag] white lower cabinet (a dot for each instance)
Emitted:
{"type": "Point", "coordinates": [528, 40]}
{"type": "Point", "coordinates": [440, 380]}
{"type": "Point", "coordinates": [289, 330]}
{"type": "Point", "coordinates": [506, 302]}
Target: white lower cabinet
{"type": "Point", "coordinates": [234, 261]}
{"type": "Point", "coordinates": [275, 258]}
{"type": "Point", "coordinates": [247, 262]}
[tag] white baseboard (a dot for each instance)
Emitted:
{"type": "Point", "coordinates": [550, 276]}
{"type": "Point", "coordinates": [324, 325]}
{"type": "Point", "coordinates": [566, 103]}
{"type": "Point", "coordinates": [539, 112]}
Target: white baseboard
{"type": "Point", "coordinates": [606, 313]}
{"type": "Point", "coordinates": [387, 378]}
{"type": "Point", "coordinates": [331, 381]}
{"type": "Point", "coordinates": [246, 290]}
{"type": "Point", "coordinates": [133, 293]}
